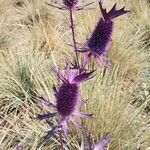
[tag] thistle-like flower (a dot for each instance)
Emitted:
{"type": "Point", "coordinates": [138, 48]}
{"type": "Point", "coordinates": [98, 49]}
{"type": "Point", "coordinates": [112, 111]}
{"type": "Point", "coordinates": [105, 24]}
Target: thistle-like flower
{"type": "Point", "coordinates": [70, 3]}
{"type": "Point", "coordinates": [67, 101]}
{"type": "Point", "coordinates": [101, 36]}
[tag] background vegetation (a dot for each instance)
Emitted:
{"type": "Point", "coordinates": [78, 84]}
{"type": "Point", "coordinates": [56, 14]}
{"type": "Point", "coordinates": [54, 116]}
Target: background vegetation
{"type": "Point", "coordinates": [34, 38]}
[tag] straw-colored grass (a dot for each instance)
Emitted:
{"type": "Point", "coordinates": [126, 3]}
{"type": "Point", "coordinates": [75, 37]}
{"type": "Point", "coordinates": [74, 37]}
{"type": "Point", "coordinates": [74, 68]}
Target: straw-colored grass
{"type": "Point", "coordinates": [34, 38]}
{"type": "Point", "coordinates": [114, 112]}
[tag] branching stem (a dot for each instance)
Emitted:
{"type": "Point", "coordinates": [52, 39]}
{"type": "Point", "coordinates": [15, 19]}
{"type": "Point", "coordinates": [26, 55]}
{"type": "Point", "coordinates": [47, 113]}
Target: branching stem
{"type": "Point", "coordinates": [73, 37]}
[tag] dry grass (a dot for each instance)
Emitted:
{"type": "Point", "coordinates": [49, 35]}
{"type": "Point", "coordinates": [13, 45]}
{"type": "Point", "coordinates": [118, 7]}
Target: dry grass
{"type": "Point", "coordinates": [33, 39]}
{"type": "Point", "coordinates": [110, 101]}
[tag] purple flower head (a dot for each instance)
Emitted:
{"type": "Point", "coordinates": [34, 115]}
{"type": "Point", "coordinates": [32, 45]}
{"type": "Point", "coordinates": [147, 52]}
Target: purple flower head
{"type": "Point", "coordinates": [100, 38]}
{"type": "Point", "coordinates": [67, 100]}
{"type": "Point", "coordinates": [70, 3]}
{"type": "Point", "coordinates": [67, 94]}
{"type": "Point", "coordinates": [103, 30]}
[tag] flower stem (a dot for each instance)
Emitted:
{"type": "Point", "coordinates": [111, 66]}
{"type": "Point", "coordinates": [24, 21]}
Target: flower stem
{"type": "Point", "coordinates": [73, 36]}
{"type": "Point", "coordinates": [61, 140]}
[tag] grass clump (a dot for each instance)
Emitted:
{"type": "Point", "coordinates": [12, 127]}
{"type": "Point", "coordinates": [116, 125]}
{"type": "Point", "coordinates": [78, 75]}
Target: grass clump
{"type": "Point", "coordinates": [32, 44]}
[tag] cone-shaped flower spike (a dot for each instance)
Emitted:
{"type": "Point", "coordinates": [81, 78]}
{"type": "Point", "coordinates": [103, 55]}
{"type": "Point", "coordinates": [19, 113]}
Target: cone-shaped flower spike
{"type": "Point", "coordinates": [99, 40]}
{"type": "Point", "coordinates": [67, 100]}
